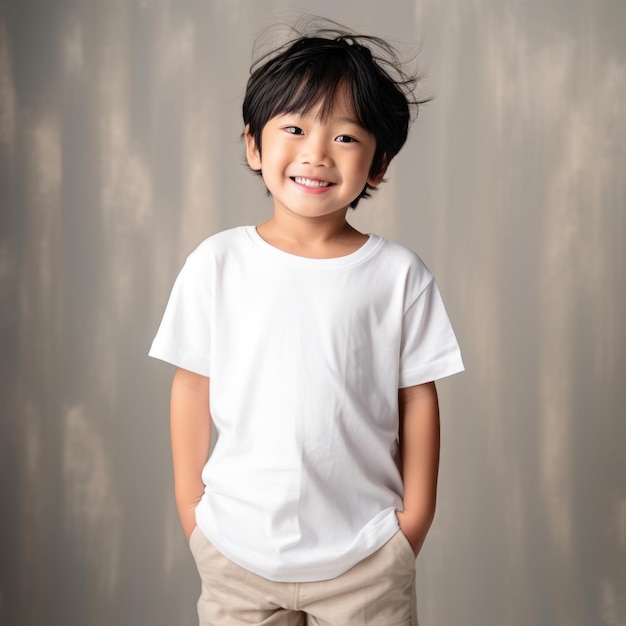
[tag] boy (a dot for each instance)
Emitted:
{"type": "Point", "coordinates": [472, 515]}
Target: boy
{"type": "Point", "coordinates": [313, 348]}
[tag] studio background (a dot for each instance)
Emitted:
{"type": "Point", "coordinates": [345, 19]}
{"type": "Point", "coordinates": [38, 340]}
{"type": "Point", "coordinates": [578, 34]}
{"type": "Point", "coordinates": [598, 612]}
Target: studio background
{"type": "Point", "coordinates": [120, 152]}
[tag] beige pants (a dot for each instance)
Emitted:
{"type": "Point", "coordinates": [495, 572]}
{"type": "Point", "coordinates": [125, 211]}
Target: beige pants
{"type": "Point", "coordinates": [378, 591]}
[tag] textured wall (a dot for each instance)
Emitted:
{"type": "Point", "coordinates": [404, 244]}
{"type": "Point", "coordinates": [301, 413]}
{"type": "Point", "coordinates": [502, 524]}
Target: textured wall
{"type": "Point", "coordinates": [119, 152]}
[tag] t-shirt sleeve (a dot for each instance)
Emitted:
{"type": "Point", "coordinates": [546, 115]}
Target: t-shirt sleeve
{"type": "Point", "coordinates": [429, 348]}
{"type": "Point", "coordinates": [184, 335]}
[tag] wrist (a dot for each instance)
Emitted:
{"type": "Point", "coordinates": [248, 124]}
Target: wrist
{"type": "Point", "coordinates": [187, 517]}
{"type": "Point", "coordinates": [414, 529]}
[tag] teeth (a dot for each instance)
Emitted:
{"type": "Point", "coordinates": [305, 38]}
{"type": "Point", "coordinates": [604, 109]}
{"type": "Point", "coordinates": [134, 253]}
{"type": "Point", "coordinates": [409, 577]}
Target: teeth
{"type": "Point", "coordinates": [307, 182]}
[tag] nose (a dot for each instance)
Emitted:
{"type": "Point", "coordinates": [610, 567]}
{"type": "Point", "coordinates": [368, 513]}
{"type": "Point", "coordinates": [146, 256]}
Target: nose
{"type": "Point", "coordinates": [314, 151]}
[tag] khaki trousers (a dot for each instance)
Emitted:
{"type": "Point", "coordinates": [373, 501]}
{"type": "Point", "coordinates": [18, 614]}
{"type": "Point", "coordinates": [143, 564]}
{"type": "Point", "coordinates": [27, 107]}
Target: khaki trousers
{"type": "Point", "coordinates": [378, 591]}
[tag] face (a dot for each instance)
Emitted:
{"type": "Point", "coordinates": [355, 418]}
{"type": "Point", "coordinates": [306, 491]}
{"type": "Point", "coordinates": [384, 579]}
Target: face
{"type": "Point", "coordinates": [313, 167]}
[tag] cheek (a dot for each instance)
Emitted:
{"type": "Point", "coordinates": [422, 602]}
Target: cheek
{"type": "Point", "coordinates": [364, 166]}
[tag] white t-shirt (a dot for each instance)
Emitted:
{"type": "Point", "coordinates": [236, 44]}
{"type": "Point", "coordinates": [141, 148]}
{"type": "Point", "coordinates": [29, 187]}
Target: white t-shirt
{"type": "Point", "coordinates": [305, 358]}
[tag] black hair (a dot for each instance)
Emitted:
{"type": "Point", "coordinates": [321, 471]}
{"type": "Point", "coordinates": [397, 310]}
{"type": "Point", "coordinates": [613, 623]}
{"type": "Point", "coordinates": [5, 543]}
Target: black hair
{"type": "Point", "coordinates": [308, 71]}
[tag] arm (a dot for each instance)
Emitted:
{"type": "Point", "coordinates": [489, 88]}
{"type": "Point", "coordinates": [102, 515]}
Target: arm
{"type": "Point", "coordinates": [190, 428]}
{"type": "Point", "coordinates": [419, 448]}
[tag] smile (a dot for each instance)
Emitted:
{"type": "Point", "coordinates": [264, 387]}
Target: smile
{"type": "Point", "coordinates": [307, 182]}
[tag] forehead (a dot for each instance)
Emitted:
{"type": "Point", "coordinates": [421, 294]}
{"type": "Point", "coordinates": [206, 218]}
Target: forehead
{"type": "Point", "coordinates": [338, 106]}
{"type": "Point", "coordinates": [326, 101]}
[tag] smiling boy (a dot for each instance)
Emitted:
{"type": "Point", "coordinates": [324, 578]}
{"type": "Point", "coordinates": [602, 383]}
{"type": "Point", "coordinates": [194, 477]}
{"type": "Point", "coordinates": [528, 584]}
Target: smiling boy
{"type": "Point", "coordinates": [314, 349]}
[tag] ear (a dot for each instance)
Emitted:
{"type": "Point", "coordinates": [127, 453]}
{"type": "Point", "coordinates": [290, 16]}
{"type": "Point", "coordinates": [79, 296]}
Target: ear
{"type": "Point", "coordinates": [376, 179]}
{"type": "Point", "coordinates": [253, 154]}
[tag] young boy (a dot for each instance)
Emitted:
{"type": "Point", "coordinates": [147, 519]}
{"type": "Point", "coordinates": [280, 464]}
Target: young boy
{"type": "Point", "coordinates": [313, 348]}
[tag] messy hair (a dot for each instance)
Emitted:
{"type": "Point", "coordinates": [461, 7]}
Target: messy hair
{"type": "Point", "coordinates": [310, 69]}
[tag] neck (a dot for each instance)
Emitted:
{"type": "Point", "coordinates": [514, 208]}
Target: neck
{"type": "Point", "coordinates": [318, 237]}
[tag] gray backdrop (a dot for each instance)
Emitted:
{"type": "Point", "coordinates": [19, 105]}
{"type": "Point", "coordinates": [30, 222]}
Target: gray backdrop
{"type": "Point", "coordinates": [120, 151]}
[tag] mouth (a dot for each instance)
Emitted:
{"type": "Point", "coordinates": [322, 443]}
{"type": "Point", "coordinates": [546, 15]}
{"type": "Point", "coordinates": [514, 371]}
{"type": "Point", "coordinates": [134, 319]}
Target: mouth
{"type": "Point", "coordinates": [310, 182]}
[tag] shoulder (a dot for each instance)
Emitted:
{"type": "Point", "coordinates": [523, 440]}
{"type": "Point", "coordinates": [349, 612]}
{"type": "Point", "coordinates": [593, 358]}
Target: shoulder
{"type": "Point", "coordinates": [220, 248]}
{"type": "Point", "coordinates": [400, 253]}
{"type": "Point", "coordinates": [404, 263]}
{"type": "Point", "coordinates": [221, 243]}
{"type": "Point", "coordinates": [204, 262]}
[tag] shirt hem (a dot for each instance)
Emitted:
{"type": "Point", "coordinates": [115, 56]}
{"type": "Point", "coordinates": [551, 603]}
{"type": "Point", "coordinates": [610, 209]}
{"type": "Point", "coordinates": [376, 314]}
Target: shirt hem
{"type": "Point", "coordinates": [314, 573]}
{"type": "Point", "coordinates": [178, 357]}
{"type": "Point", "coordinates": [433, 372]}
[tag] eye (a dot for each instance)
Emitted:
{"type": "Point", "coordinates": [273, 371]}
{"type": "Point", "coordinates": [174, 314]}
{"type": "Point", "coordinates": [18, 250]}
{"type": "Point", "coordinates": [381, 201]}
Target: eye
{"type": "Point", "coordinates": [345, 139]}
{"type": "Point", "coordinates": [294, 130]}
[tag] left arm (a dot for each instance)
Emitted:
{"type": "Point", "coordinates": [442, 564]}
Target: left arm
{"type": "Point", "coordinates": [419, 449]}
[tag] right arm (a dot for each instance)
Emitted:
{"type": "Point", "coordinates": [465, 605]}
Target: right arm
{"type": "Point", "coordinates": [190, 428]}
